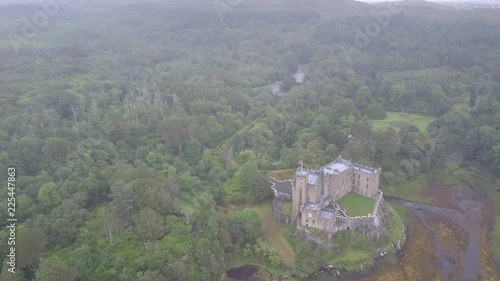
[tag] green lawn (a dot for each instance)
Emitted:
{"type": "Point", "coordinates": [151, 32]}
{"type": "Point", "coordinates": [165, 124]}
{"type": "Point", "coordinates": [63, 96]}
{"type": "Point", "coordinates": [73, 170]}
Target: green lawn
{"type": "Point", "coordinates": [356, 204]}
{"type": "Point", "coordinates": [422, 122]}
{"type": "Point", "coordinates": [287, 208]}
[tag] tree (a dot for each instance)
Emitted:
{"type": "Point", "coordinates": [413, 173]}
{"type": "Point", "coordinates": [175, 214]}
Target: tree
{"type": "Point", "coordinates": [149, 225]}
{"type": "Point", "coordinates": [376, 111]}
{"type": "Point", "coordinates": [345, 107]}
{"type": "Point", "coordinates": [363, 97]}
{"type": "Point", "coordinates": [247, 174]}
{"type": "Point", "coordinates": [55, 152]}
{"type": "Point", "coordinates": [51, 194]}
{"type": "Point", "coordinates": [173, 131]}
{"type": "Point", "coordinates": [6, 275]}
{"type": "Point", "coordinates": [314, 153]}
{"type": "Point", "coordinates": [387, 143]}
{"type": "Point", "coordinates": [362, 130]}
{"type": "Point", "coordinates": [125, 200]}
{"type": "Point", "coordinates": [61, 226]}
{"type": "Point", "coordinates": [151, 276]}
{"type": "Point", "coordinates": [244, 226]}
{"type": "Point", "coordinates": [260, 190]}
{"type": "Point", "coordinates": [400, 95]}
{"type": "Point", "coordinates": [111, 222]}
{"type": "Point", "coordinates": [31, 244]}
{"type": "Point", "coordinates": [54, 269]}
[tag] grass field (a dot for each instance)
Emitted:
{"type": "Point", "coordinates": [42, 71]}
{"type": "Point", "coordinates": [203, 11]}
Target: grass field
{"type": "Point", "coordinates": [271, 233]}
{"type": "Point", "coordinates": [356, 204]}
{"type": "Point", "coordinates": [422, 122]}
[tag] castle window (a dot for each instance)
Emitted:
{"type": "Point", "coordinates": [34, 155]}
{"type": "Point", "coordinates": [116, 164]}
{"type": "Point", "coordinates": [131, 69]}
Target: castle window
{"type": "Point", "coordinates": [307, 220]}
{"type": "Point", "coordinates": [310, 215]}
{"type": "Point", "coordinates": [359, 176]}
{"type": "Point", "coordinates": [313, 221]}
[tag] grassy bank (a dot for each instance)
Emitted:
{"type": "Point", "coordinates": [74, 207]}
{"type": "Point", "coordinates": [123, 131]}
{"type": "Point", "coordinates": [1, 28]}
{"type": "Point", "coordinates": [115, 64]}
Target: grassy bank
{"type": "Point", "coordinates": [480, 178]}
{"type": "Point", "coordinates": [287, 208]}
{"type": "Point", "coordinates": [414, 190]}
{"type": "Point", "coordinates": [271, 233]}
{"type": "Point", "coordinates": [282, 174]}
{"type": "Point", "coordinates": [402, 212]}
{"type": "Point", "coordinates": [411, 190]}
{"type": "Point", "coordinates": [352, 250]}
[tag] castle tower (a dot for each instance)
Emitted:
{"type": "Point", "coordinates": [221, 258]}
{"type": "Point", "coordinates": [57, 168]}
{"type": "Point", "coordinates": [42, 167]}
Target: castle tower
{"type": "Point", "coordinates": [299, 189]}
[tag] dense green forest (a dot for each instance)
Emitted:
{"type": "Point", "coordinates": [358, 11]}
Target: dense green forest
{"type": "Point", "coordinates": [132, 127]}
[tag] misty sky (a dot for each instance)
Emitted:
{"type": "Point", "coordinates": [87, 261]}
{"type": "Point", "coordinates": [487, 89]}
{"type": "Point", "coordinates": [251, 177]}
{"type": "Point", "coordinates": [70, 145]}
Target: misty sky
{"type": "Point", "coordinates": [367, 1]}
{"type": "Point", "coordinates": [438, 1]}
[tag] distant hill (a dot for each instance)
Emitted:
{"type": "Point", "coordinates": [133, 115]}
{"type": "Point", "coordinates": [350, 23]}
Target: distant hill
{"type": "Point", "coordinates": [434, 9]}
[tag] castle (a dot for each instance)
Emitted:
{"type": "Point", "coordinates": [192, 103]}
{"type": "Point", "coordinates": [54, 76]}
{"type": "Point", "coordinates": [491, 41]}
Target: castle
{"type": "Point", "coordinates": [315, 191]}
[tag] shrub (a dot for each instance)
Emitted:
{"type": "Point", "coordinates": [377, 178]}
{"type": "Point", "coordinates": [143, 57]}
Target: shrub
{"type": "Point", "coordinates": [375, 111]}
{"type": "Point", "coordinates": [237, 198]}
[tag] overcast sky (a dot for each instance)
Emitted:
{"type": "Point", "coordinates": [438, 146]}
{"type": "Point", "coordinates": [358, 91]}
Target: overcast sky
{"type": "Point", "coordinates": [367, 1]}
{"type": "Point", "coordinates": [438, 1]}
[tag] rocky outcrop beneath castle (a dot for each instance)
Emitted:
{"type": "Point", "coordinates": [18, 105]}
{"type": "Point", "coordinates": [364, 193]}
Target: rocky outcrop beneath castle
{"type": "Point", "coordinates": [370, 227]}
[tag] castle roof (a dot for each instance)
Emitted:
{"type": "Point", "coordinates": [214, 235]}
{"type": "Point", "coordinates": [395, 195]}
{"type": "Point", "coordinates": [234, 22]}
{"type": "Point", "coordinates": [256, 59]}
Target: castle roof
{"type": "Point", "coordinates": [313, 178]}
{"type": "Point", "coordinates": [334, 168]}
{"type": "Point", "coordinates": [363, 168]}
{"type": "Point", "coordinates": [325, 214]}
{"type": "Point", "coordinates": [312, 206]}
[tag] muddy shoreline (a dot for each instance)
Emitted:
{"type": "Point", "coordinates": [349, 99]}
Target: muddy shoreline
{"type": "Point", "coordinates": [447, 240]}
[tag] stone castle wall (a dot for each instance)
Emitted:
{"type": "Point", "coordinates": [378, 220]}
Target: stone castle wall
{"type": "Point", "coordinates": [370, 226]}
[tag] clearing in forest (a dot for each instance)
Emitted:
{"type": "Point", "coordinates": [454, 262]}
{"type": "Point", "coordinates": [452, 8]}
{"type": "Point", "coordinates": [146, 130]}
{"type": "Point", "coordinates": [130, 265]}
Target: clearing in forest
{"type": "Point", "coordinates": [399, 120]}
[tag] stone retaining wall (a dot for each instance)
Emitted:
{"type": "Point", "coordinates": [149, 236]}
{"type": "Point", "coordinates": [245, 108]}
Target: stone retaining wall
{"type": "Point", "coordinates": [371, 226]}
{"type": "Point", "coordinates": [277, 210]}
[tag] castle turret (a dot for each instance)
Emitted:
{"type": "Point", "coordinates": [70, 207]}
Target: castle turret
{"type": "Point", "coordinates": [299, 188]}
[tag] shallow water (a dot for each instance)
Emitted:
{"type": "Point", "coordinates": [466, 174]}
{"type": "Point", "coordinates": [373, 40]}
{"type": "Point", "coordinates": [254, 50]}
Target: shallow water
{"type": "Point", "coordinates": [244, 273]}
